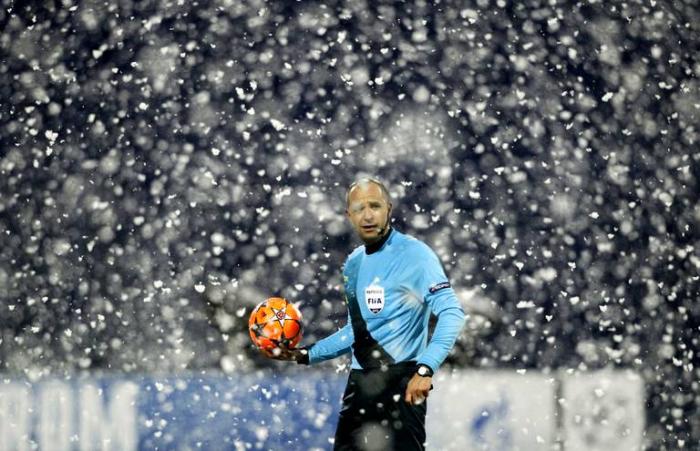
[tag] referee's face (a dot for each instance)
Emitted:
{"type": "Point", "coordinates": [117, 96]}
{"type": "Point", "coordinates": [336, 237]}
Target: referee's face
{"type": "Point", "coordinates": [368, 211]}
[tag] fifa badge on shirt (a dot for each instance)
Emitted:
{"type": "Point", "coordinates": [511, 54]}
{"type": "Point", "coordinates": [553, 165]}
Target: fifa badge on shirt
{"type": "Point", "coordinates": [374, 297]}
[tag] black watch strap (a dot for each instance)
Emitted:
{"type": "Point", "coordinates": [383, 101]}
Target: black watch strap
{"type": "Point", "coordinates": [424, 371]}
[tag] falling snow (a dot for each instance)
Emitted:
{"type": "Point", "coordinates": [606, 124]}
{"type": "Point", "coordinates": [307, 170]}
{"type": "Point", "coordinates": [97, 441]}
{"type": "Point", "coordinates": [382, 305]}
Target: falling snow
{"type": "Point", "coordinates": [165, 166]}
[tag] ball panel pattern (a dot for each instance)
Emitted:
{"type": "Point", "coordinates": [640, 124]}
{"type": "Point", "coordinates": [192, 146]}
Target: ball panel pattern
{"type": "Point", "coordinates": [275, 322]}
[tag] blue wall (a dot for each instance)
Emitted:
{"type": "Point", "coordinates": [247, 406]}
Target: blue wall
{"type": "Point", "coordinates": [264, 410]}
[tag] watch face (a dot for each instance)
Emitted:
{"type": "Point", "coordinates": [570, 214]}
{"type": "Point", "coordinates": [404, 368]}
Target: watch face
{"type": "Point", "coordinates": [423, 371]}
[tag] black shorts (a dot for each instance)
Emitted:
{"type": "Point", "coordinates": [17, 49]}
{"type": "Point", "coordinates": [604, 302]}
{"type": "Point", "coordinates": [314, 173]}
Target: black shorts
{"type": "Point", "coordinates": [374, 414]}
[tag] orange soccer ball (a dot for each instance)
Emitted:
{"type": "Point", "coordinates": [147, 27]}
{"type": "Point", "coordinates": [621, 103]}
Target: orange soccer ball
{"type": "Point", "coordinates": [275, 322]}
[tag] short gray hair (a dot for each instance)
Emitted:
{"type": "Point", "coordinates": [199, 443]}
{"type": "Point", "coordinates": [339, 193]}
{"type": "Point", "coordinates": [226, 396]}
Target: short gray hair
{"type": "Point", "coordinates": [363, 181]}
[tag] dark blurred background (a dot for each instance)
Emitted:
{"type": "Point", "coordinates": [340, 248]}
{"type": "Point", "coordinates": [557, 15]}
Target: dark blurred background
{"type": "Point", "coordinates": [166, 165]}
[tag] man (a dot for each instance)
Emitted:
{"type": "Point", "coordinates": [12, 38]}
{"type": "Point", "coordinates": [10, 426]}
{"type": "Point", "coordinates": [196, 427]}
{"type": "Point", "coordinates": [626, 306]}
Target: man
{"type": "Point", "coordinates": [392, 284]}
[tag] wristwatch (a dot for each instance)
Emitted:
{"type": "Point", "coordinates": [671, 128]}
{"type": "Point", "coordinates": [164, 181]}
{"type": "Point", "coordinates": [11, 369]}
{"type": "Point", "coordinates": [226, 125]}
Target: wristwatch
{"type": "Point", "coordinates": [424, 371]}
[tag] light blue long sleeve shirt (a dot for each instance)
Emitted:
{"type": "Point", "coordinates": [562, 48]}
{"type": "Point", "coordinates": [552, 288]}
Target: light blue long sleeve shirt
{"type": "Point", "coordinates": [397, 288]}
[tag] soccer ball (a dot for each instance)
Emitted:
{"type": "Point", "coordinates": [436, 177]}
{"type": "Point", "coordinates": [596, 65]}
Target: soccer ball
{"type": "Point", "coordinates": [274, 322]}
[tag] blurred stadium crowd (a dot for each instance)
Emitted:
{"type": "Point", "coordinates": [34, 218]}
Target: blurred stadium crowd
{"type": "Point", "coordinates": [166, 165]}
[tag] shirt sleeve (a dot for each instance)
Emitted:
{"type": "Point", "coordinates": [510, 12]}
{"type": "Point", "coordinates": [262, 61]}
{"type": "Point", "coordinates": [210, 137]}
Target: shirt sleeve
{"type": "Point", "coordinates": [442, 301]}
{"type": "Point", "coordinates": [336, 344]}
{"type": "Point", "coordinates": [332, 346]}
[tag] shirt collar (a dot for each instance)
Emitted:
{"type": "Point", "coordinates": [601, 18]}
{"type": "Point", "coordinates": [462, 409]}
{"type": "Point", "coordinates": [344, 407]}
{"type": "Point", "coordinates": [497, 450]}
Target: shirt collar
{"type": "Point", "coordinates": [374, 247]}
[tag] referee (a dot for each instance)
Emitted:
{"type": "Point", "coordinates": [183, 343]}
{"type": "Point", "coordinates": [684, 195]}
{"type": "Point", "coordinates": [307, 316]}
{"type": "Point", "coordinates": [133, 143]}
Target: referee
{"type": "Point", "coordinates": [392, 284]}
